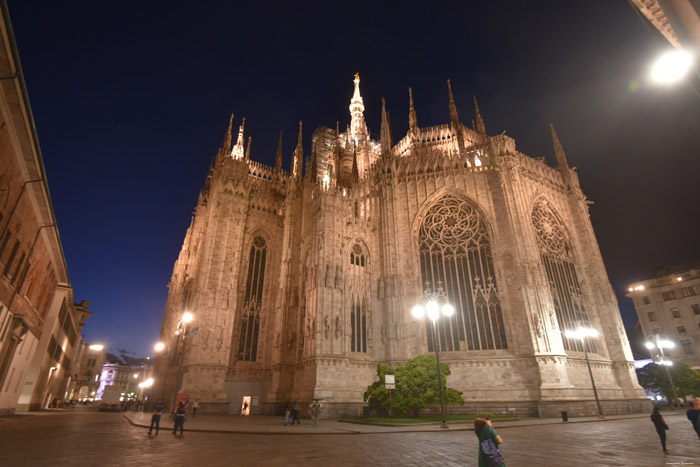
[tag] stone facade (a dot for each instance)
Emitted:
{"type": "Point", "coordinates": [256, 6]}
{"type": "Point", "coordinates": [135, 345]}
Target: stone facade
{"type": "Point", "coordinates": [301, 282]}
{"type": "Point", "coordinates": [40, 325]}
{"type": "Point", "coordinates": [669, 305]}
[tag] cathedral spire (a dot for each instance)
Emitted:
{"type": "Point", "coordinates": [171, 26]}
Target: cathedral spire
{"type": "Point", "coordinates": [454, 116]}
{"type": "Point", "coordinates": [227, 137]}
{"type": "Point", "coordinates": [278, 157]}
{"type": "Point", "coordinates": [237, 151]}
{"type": "Point", "coordinates": [247, 149]}
{"type": "Point", "coordinates": [298, 162]}
{"type": "Point", "coordinates": [385, 136]}
{"type": "Point", "coordinates": [558, 150]}
{"type": "Point", "coordinates": [479, 121]}
{"type": "Point", "coordinates": [357, 109]}
{"type": "Point", "coordinates": [412, 119]}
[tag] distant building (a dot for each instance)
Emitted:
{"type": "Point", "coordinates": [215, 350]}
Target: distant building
{"type": "Point", "coordinates": [114, 374]}
{"type": "Point", "coordinates": [40, 324]}
{"type": "Point", "coordinates": [87, 382]}
{"type": "Point", "coordinates": [669, 305]}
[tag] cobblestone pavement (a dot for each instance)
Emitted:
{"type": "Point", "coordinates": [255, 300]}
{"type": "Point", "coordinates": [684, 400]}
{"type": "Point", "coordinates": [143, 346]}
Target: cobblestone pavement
{"type": "Point", "coordinates": [84, 437]}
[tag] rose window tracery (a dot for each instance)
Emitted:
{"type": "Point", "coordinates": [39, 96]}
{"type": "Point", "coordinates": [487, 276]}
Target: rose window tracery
{"type": "Point", "coordinates": [455, 252]}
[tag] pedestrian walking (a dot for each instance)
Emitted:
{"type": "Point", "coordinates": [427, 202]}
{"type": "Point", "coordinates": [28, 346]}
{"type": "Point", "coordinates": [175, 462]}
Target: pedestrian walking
{"type": "Point", "coordinates": [180, 418]}
{"type": "Point", "coordinates": [155, 418]}
{"type": "Point", "coordinates": [693, 415]}
{"type": "Point", "coordinates": [287, 416]}
{"type": "Point", "coordinates": [660, 425]}
{"type": "Point", "coordinates": [245, 408]}
{"type": "Point", "coordinates": [295, 413]}
{"type": "Point", "coordinates": [195, 406]}
{"type": "Point", "coordinates": [490, 454]}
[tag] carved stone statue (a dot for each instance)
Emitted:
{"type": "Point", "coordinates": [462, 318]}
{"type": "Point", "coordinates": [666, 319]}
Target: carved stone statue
{"type": "Point", "coordinates": [337, 327]}
{"type": "Point", "coordinates": [326, 327]}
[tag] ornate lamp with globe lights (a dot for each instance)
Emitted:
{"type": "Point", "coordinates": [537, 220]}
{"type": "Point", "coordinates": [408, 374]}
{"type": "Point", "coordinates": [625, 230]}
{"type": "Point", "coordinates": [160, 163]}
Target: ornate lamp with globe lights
{"type": "Point", "coordinates": [583, 330]}
{"type": "Point", "coordinates": [661, 343]}
{"type": "Point", "coordinates": [435, 305]}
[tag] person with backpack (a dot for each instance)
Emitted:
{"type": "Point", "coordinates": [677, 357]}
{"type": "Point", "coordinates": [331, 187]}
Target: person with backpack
{"type": "Point", "coordinates": [490, 454]}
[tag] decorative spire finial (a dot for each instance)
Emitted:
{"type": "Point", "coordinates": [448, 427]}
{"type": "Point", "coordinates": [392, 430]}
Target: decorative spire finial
{"type": "Point", "coordinates": [454, 116]}
{"type": "Point", "coordinates": [227, 136]}
{"type": "Point", "coordinates": [247, 149]}
{"type": "Point", "coordinates": [355, 171]}
{"type": "Point", "coordinates": [479, 121]}
{"type": "Point", "coordinates": [298, 162]}
{"type": "Point", "coordinates": [558, 150]}
{"type": "Point", "coordinates": [278, 157]}
{"type": "Point", "coordinates": [412, 119]}
{"type": "Point", "coordinates": [385, 136]}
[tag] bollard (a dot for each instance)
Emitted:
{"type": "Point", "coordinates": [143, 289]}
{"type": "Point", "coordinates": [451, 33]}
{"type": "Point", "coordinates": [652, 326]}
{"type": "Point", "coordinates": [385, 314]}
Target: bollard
{"type": "Point", "coordinates": [564, 416]}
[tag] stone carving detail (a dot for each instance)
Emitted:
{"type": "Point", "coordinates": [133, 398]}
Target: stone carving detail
{"type": "Point", "coordinates": [538, 326]}
{"type": "Point", "coordinates": [337, 327]}
{"type": "Point", "coordinates": [328, 280]}
{"type": "Point", "coordinates": [326, 327]}
{"type": "Point", "coordinates": [338, 277]}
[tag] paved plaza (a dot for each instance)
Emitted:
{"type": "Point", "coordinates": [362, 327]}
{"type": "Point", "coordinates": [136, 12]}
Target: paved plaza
{"type": "Point", "coordinates": [85, 437]}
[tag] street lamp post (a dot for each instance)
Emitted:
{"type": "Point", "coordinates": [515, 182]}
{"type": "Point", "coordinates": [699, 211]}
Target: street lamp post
{"type": "Point", "coordinates": [582, 331]}
{"type": "Point", "coordinates": [181, 333]}
{"type": "Point", "coordinates": [434, 305]}
{"type": "Point", "coordinates": [661, 343]}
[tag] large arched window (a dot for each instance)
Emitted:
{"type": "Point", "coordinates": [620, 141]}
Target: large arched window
{"type": "Point", "coordinates": [252, 302]}
{"type": "Point", "coordinates": [455, 254]}
{"type": "Point", "coordinates": [558, 260]}
{"type": "Point", "coordinates": [360, 313]}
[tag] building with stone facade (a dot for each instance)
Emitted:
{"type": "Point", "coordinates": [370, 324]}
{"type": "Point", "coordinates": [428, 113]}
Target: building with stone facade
{"type": "Point", "coordinates": [301, 281]}
{"type": "Point", "coordinates": [90, 359]}
{"type": "Point", "coordinates": [40, 324]}
{"type": "Point", "coordinates": [669, 306]}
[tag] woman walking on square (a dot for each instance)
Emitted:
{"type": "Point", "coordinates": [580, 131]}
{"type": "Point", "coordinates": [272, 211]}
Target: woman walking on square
{"type": "Point", "coordinates": [483, 427]}
{"type": "Point", "coordinates": [660, 425]}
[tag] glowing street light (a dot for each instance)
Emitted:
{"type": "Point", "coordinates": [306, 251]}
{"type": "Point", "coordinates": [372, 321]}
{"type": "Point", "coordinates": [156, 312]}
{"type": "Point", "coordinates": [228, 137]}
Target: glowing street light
{"type": "Point", "coordinates": [660, 343]}
{"type": "Point", "coordinates": [96, 347]}
{"type": "Point", "coordinates": [433, 309]}
{"type": "Point", "coordinates": [159, 347]}
{"type": "Point", "coordinates": [583, 331]}
{"type": "Point", "coordinates": [181, 333]}
{"type": "Point", "coordinates": [671, 67]}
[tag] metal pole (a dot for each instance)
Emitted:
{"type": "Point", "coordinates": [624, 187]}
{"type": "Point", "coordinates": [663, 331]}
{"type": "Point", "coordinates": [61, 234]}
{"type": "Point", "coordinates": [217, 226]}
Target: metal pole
{"type": "Point", "coordinates": [442, 395]}
{"type": "Point", "coordinates": [595, 392]}
{"type": "Point", "coordinates": [668, 373]}
{"type": "Point", "coordinates": [179, 366]}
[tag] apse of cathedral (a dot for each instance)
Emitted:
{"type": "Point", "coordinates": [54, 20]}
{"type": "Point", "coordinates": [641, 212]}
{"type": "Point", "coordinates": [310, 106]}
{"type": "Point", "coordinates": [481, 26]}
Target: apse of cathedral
{"type": "Point", "coordinates": [300, 281]}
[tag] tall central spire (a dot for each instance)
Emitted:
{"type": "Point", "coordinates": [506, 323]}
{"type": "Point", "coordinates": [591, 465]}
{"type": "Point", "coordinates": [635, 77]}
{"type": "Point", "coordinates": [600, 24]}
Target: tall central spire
{"type": "Point", "coordinates": [357, 112]}
{"type": "Point", "coordinates": [237, 150]}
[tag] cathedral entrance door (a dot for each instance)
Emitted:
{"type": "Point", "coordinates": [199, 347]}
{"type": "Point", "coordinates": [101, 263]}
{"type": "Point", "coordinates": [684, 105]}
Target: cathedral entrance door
{"type": "Point", "coordinates": [245, 405]}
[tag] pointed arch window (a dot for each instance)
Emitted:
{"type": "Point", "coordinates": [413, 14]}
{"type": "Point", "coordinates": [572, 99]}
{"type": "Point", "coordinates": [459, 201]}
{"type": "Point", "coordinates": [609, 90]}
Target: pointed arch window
{"type": "Point", "coordinates": [358, 325]}
{"type": "Point", "coordinates": [455, 252]}
{"type": "Point", "coordinates": [252, 303]}
{"type": "Point", "coordinates": [558, 259]}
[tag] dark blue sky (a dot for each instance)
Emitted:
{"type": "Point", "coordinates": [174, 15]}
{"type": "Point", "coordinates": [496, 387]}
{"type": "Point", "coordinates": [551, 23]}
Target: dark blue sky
{"type": "Point", "coordinates": [131, 101]}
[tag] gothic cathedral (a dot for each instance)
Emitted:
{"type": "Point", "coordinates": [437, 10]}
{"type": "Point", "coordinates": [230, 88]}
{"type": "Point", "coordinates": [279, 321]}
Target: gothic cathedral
{"type": "Point", "coordinates": [300, 282]}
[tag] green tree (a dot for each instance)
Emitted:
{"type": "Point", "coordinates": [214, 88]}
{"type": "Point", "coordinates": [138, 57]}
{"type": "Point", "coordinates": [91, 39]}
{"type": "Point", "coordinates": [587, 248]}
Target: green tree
{"type": "Point", "coordinates": [654, 378]}
{"type": "Point", "coordinates": [416, 386]}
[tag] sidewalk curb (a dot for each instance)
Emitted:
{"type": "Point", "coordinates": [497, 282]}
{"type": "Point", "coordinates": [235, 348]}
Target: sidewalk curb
{"type": "Point", "coordinates": [501, 426]}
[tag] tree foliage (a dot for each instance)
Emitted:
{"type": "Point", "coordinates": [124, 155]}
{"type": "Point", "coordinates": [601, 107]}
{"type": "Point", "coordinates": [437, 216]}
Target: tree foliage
{"type": "Point", "coordinates": [654, 378]}
{"type": "Point", "coordinates": [416, 386]}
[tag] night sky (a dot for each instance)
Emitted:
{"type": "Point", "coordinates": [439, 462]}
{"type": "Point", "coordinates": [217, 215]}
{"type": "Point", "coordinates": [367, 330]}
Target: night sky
{"type": "Point", "coordinates": [131, 101]}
